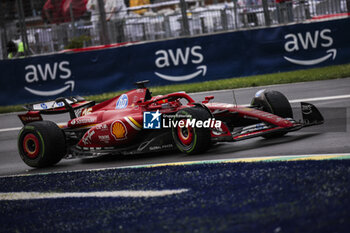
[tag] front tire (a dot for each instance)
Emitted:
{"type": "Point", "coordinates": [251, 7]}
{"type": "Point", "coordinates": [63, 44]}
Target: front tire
{"type": "Point", "coordinates": [41, 144]}
{"type": "Point", "coordinates": [276, 103]}
{"type": "Point", "coordinates": [279, 104]}
{"type": "Point", "coordinates": [192, 140]}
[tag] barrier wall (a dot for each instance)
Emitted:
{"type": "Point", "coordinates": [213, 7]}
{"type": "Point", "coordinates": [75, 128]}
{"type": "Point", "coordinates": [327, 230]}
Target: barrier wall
{"type": "Point", "coordinates": [184, 60]}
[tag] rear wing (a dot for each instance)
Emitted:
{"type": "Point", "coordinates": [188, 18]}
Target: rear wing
{"type": "Point", "coordinates": [73, 105]}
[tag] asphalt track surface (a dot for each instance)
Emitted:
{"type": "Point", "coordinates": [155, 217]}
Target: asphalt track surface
{"type": "Point", "coordinates": [332, 97]}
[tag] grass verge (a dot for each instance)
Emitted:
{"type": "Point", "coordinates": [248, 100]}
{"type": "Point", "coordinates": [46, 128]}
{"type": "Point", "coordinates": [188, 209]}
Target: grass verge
{"type": "Point", "coordinates": [324, 73]}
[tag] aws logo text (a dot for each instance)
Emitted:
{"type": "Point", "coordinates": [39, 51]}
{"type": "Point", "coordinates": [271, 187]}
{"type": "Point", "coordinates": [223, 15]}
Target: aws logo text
{"type": "Point", "coordinates": [46, 73]}
{"type": "Point", "coordinates": [309, 41]}
{"type": "Point", "coordinates": [180, 57]}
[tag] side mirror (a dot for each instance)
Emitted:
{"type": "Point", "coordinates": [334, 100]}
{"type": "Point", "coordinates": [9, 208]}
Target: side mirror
{"type": "Point", "coordinates": [207, 99]}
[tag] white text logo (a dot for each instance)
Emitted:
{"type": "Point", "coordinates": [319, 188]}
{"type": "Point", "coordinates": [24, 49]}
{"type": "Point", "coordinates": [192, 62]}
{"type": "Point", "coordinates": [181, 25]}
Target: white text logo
{"type": "Point", "coordinates": [190, 55]}
{"type": "Point", "coordinates": [47, 72]}
{"type": "Point", "coordinates": [307, 41]}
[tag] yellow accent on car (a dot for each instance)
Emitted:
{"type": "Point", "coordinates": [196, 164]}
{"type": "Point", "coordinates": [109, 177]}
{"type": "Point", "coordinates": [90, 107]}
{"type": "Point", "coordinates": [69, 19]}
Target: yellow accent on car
{"type": "Point", "coordinates": [135, 122]}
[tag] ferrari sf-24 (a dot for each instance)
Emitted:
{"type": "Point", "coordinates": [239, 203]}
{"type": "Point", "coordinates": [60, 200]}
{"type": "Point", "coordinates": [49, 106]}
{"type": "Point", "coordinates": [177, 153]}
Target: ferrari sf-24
{"type": "Point", "coordinates": [137, 122]}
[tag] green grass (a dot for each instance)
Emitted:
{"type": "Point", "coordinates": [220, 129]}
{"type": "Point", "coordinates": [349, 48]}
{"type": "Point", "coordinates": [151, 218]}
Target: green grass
{"type": "Point", "coordinates": [325, 73]}
{"type": "Point", "coordinates": [11, 108]}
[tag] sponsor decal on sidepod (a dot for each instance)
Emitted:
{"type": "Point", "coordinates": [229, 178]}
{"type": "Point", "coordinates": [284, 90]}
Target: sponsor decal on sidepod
{"type": "Point", "coordinates": [118, 130]}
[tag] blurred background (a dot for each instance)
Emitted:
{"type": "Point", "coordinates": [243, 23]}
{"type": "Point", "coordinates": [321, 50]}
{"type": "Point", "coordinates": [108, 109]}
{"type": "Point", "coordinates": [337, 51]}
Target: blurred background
{"type": "Point", "coordinates": [35, 27]}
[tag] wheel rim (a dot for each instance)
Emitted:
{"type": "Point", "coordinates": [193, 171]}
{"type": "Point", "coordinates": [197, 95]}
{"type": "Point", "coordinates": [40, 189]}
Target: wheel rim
{"type": "Point", "coordinates": [185, 134]}
{"type": "Point", "coordinates": [31, 146]}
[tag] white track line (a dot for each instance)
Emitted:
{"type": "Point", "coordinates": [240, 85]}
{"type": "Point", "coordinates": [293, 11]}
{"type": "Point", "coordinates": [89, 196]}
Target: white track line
{"type": "Point", "coordinates": [291, 101]}
{"type": "Point", "coordinates": [321, 98]}
{"type": "Point", "coordinates": [124, 193]}
{"type": "Point", "coordinates": [18, 128]}
{"type": "Point", "coordinates": [10, 129]}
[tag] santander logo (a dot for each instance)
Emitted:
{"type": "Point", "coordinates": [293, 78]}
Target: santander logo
{"type": "Point", "coordinates": [46, 73]}
{"type": "Point", "coordinates": [309, 40]}
{"type": "Point", "coordinates": [180, 57]}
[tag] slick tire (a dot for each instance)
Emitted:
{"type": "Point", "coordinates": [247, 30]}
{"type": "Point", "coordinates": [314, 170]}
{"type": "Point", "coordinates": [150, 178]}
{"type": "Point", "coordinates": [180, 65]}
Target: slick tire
{"type": "Point", "coordinates": [191, 140]}
{"type": "Point", "coordinates": [41, 144]}
{"type": "Point", "coordinates": [280, 106]}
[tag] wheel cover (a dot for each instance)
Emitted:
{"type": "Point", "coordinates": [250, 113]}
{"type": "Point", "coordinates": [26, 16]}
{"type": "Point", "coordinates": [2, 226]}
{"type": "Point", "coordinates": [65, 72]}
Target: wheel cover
{"type": "Point", "coordinates": [185, 135]}
{"type": "Point", "coordinates": [31, 146]}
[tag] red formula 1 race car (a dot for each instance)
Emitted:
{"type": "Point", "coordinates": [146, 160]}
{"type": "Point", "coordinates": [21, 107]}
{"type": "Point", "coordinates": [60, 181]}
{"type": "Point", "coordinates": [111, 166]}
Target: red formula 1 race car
{"type": "Point", "coordinates": [136, 122]}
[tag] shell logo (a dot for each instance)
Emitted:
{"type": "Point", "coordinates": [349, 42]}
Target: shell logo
{"type": "Point", "coordinates": [118, 130]}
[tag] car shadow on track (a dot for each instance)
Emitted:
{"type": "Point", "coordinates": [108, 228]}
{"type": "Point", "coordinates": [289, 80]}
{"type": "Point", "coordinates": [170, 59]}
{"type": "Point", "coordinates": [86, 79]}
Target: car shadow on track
{"type": "Point", "coordinates": [253, 147]}
{"type": "Point", "coordinates": [259, 144]}
{"type": "Point", "coordinates": [217, 149]}
{"type": "Point", "coordinates": [126, 158]}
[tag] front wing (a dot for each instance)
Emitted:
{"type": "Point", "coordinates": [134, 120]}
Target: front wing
{"type": "Point", "coordinates": [311, 116]}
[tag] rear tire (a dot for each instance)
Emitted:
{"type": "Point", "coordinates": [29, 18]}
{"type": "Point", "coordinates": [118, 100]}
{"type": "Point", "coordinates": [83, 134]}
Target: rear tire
{"type": "Point", "coordinates": [192, 140]}
{"type": "Point", "coordinates": [41, 144]}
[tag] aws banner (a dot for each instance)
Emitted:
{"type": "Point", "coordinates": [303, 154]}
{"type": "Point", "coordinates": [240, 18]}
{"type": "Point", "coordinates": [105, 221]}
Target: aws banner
{"type": "Point", "coordinates": [195, 59]}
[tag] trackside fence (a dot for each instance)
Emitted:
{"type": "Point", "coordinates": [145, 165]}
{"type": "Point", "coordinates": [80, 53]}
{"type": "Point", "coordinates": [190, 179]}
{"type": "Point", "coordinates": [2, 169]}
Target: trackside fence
{"type": "Point", "coordinates": [184, 60]}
